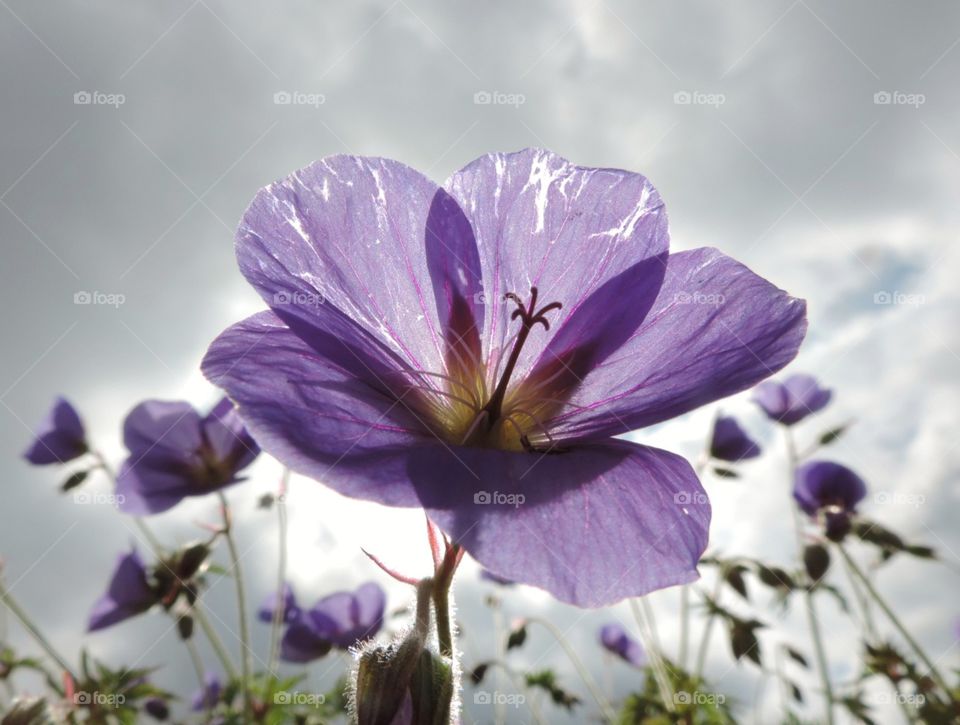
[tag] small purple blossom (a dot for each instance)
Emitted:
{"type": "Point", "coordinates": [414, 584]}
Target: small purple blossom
{"type": "Point", "coordinates": [792, 400]}
{"type": "Point", "coordinates": [175, 453]}
{"type": "Point", "coordinates": [616, 640]}
{"type": "Point", "coordinates": [339, 620]}
{"type": "Point", "coordinates": [157, 708]}
{"type": "Point", "coordinates": [59, 438]}
{"type": "Point", "coordinates": [427, 345]}
{"type": "Point", "coordinates": [830, 490]}
{"type": "Point", "coordinates": [128, 594]}
{"type": "Point", "coordinates": [289, 604]}
{"type": "Point", "coordinates": [730, 441]}
{"type": "Point", "coordinates": [208, 696]}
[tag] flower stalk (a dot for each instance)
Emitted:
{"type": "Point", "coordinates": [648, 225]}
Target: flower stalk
{"type": "Point", "coordinates": [246, 664]}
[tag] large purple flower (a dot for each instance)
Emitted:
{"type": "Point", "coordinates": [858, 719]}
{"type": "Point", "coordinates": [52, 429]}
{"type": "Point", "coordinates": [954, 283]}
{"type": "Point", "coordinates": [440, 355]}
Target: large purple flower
{"type": "Point", "coordinates": [59, 438]}
{"type": "Point", "coordinates": [792, 400]}
{"type": "Point", "coordinates": [730, 441]}
{"type": "Point", "coordinates": [339, 620]}
{"type": "Point", "coordinates": [472, 349]}
{"type": "Point", "coordinates": [174, 453]}
{"type": "Point", "coordinates": [615, 639]}
{"type": "Point", "coordinates": [128, 594]}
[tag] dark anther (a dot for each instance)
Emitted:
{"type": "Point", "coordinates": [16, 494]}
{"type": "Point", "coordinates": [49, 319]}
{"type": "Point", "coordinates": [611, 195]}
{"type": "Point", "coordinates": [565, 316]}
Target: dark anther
{"type": "Point", "coordinates": [529, 316]}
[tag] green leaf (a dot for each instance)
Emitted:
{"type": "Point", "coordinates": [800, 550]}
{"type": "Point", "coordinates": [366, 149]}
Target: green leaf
{"type": "Point", "coordinates": [725, 472]}
{"type": "Point", "coordinates": [816, 560]}
{"type": "Point", "coordinates": [74, 480]}
{"type": "Point", "coordinates": [829, 436]}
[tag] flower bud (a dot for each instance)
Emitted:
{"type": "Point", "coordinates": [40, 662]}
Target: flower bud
{"type": "Point", "coordinates": [431, 689]}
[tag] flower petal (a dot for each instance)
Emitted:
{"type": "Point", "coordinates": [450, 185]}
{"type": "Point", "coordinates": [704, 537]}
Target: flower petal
{"type": "Point", "coordinates": [147, 487]}
{"type": "Point", "coordinates": [312, 412]}
{"type": "Point", "coordinates": [59, 438]}
{"type": "Point", "coordinates": [163, 430]}
{"type": "Point", "coordinates": [593, 525]}
{"type": "Point", "coordinates": [224, 431]}
{"type": "Point", "coordinates": [349, 233]}
{"type": "Point", "coordinates": [716, 328]}
{"type": "Point", "coordinates": [541, 221]}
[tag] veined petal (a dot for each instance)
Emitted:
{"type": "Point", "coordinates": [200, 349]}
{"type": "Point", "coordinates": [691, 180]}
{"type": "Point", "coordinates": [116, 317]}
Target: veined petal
{"type": "Point", "coordinates": [350, 233]}
{"type": "Point", "coordinates": [163, 430]}
{"type": "Point", "coordinates": [716, 328]}
{"type": "Point", "coordinates": [568, 230]}
{"type": "Point", "coordinates": [592, 525]}
{"type": "Point", "coordinates": [313, 414]}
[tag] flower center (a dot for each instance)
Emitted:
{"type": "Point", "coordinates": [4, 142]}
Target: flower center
{"type": "Point", "coordinates": [511, 417]}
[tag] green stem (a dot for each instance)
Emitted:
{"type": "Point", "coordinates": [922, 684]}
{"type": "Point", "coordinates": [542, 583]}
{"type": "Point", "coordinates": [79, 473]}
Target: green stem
{"type": "Point", "coordinates": [651, 644]}
{"type": "Point", "coordinates": [895, 621]}
{"type": "Point", "coordinates": [441, 606]}
{"type": "Point", "coordinates": [278, 612]}
{"type": "Point", "coordinates": [708, 630]}
{"type": "Point", "coordinates": [201, 617]}
{"type": "Point", "coordinates": [33, 630]}
{"type": "Point", "coordinates": [684, 625]}
{"type": "Point", "coordinates": [197, 662]}
{"type": "Point", "coordinates": [605, 708]}
{"type": "Point", "coordinates": [245, 660]}
{"type": "Point", "coordinates": [815, 635]}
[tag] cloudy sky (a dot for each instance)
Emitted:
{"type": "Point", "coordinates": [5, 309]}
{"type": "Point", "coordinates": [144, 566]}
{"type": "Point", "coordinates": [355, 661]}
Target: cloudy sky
{"type": "Point", "coordinates": [818, 143]}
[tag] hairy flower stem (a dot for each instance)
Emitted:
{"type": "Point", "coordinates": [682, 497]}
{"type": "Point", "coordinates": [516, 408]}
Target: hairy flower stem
{"type": "Point", "coordinates": [698, 468]}
{"type": "Point", "coordinates": [197, 662]}
{"type": "Point", "coordinates": [152, 541]}
{"type": "Point", "coordinates": [279, 610]}
{"type": "Point", "coordinates": [606, 710]}
{"type": "Point", "coordinates": [807, 591]}
{"type": "Point", "coordinates": [246, 664]}
{"type": "Point", "coordinates": [895, 621]}
{"type": "Point", "coordinates": [33, 630]}
{"type": "Point", "coordinates": [201, 617]}
{"type": "Point", "coordinates": [651, 644]}
{"type": "Point", "coordinates": [708, 630]}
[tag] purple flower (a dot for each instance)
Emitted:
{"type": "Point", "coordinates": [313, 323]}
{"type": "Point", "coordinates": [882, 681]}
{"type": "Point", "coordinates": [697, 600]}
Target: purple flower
{"type": "Point", "coordinates": [730, 442]}
{"type": "Point", "coordinates": [338, 620]}
{"type": "Point", "coordinates": [269, 606]}
{"type": "Point", "coordinates": [489, 576]}
{"type": "Point", "coordinates": [128, 594]}
{"type": "Point", "coordinates": [174, 453]}
{"type": "Point", "coordinates": [157, 708]}
{"type": "Point", "coordinates": [473, 350]}
{"type": "Point", "coordinates": [792, 400]}
{"type": "Point", "coordinates": [59, 438]}
{"type": "Point", "coordinates": [209, 695]}
{"type": "Point", "coordinates": [615, 639]}
{"type": "Point", "coordinates": [824, 484]}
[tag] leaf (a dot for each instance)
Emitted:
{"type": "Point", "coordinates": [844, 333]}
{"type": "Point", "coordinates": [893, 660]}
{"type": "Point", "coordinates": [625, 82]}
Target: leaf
{"type": "Point", "coordinates": [477, 674]}
{"type": "Point", "coordinates": [921, 552]}
{"type": "Point", "coordinates": [797, 657]}
{"type": "Point", "coordinates": [816, 560]}
{"type": "Point", "coordinates": [517, 637]}
{"type": "Point", "coordinates": [725, 472]}
{"type": "Point", "coordinates": [74, 480]}
{"type": "Point", "coordinates": [547, 680]}
{"type": "Point", "coordinates": [744, 641]}
{"type": "Point", "coordinates": [829, 436]}
{"type": "Point", "coordinates": [795, 691]}
{"type": "Point", "coordinates": [734, 577]}
{"type": "Point", "coordinates": [774, 576]}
